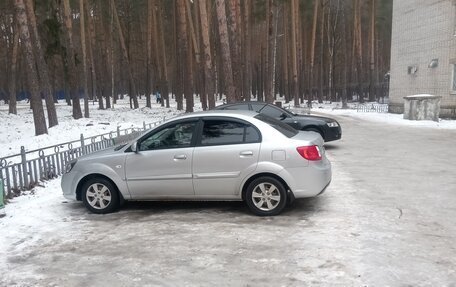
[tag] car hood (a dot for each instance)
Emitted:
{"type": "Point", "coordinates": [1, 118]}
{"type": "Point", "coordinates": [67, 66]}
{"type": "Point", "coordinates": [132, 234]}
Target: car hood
{"type": "Point", "coordinates": [101, 153]}
{"type": "Point", "coordinates": [314, 118]}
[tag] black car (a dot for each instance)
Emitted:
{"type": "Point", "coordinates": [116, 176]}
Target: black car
{"type": "Point", "coordinates": [328, 128]}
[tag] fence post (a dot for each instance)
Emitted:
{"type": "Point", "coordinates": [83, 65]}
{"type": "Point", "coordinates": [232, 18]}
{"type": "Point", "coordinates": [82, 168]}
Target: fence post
{"type": "Point", "coordinates": [144, 125]}
{"type": "Point", "coordinates": [82, 144]}
{"type": "Point", "coordinates": [118, 131]}
{"type": "Point", "coordinates": [24, 166]}
{"type": "Point", "coordinates": [2, 195]}
{"type": "Point", "coordinates": [164, 118]}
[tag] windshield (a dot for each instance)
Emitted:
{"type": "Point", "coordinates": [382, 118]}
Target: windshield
{"type": "Point", "coordinates": [284, 129]}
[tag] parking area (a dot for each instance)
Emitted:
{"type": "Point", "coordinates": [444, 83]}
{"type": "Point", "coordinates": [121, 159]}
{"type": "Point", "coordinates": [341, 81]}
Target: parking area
{"type": "Point", "coordinates": [386, 219]}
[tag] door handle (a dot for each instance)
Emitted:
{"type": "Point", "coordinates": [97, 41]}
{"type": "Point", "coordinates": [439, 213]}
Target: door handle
{"type": "Point", "coordinates": [246, 153]}
{"type": "Point", "coordinates": [180, 156]}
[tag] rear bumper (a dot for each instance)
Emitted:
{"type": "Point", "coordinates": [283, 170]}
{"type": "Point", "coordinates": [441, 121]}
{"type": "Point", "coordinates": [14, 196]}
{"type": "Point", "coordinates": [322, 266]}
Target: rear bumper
{"type": "Point", "coordinates": [308, 181]}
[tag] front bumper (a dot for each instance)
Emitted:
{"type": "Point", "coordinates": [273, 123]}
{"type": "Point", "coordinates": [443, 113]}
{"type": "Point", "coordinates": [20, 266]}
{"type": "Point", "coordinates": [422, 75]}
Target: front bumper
{"type": "Point", "coordinates": [332, 134]}
{"type": "Point", "coordinates": [69, 185]}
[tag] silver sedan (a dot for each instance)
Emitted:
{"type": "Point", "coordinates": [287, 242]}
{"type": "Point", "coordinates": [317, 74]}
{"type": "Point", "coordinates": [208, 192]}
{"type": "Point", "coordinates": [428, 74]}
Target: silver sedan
{"type": "Point", "coordinates": [217, 155]}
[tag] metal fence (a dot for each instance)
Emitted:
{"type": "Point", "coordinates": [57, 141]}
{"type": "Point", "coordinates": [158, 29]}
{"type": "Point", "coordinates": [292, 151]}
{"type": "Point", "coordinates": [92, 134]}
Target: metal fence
{"type": "Point", "coordinates": [377, 108]}
{"type": "Point", "coordinates": [26, 169]}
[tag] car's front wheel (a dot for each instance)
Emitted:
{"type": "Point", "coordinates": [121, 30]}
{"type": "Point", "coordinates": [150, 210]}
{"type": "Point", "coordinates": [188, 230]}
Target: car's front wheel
{"type": "Point", "coordinates": [266, 196]}
{"type": "Point", "coordinates": [100, 195]}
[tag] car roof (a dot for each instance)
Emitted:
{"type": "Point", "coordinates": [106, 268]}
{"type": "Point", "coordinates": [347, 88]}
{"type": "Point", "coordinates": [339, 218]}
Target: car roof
{"type": "Point", "coordinates": [241, 114]}
{"type": "Point", "coordinates": [242, 103]}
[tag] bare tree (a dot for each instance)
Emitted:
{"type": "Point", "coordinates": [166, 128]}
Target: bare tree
{"type": "Point", "coordinates": [225, 50]}
{"type": "Point", "coordinates": [12, 84]}
{"type": "Point", "coordinates": [71, 59]}
{"type": "Point", "coordinates": [84, 57]}
{"type": "Point", "coordinates": [43, 71]}
{"type": "Point", "coordinates": [294, 61]}
{"type": "Point", "coordinates": [133, 92]}
{"type": "Point", "coordinates": [32, 73]}
{"type": "Point", "coordinates": [208, 68]}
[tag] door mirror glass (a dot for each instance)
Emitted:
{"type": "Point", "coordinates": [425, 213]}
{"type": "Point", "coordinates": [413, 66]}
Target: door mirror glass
{"type": "Point", "coordinates": [134, 147]}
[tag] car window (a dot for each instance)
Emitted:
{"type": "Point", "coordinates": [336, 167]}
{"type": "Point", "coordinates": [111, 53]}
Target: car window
{"type": "Point", "coordinates": [271, 111]}
{"type": "Point", "coordinates": [222, 132]}
{"type": "Point", "coordinates": [178, 135]}
{"type": "Point", "coordinates": [257, 106]}
{"type": "Point", "coordinates": [285, 129]}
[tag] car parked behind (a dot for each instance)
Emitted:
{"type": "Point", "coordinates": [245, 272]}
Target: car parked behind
{"type": "Point", "coordinates": [215, 155]}
{"type": "Point", "coordinates": [328, 128]}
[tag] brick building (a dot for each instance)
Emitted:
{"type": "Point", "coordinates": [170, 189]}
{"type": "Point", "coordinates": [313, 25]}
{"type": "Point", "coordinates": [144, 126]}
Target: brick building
{"type": "Point", "coordinates": [423, 52]}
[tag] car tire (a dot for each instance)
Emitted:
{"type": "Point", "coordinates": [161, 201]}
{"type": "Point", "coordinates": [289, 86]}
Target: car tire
{"type": "Point", "coordinates": [100, 195]}
{"type": "Point", "coordinates": [266, 196]}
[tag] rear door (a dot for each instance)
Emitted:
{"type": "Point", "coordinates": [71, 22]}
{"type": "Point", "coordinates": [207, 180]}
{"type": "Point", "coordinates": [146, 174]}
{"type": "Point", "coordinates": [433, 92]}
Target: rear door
{"type": "Point", "coordinates": [227, 150]}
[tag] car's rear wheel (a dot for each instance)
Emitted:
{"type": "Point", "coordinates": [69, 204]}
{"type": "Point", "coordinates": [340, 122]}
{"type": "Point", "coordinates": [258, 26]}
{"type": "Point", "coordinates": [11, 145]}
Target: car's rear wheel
{"type": "Point", "coordinates": [266, 196]}
{"type": "Point", "coordinates": [100, 195]}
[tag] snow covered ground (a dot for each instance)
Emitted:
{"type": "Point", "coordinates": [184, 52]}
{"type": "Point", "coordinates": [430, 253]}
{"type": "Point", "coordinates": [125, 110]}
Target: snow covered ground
{"type": "Point", "coordinates": [345, 236]}
{"type": "Point", "coordinates": [18, 130]}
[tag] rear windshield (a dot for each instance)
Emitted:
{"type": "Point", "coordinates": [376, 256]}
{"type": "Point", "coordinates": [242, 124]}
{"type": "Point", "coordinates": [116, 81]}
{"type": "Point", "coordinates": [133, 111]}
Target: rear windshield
{"type": "Point", "coordinates": [285, 129]}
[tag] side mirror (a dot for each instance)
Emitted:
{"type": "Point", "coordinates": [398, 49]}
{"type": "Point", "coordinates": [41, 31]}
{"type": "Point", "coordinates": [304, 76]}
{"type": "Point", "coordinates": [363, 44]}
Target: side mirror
{"type": "Point", "coordinates": [134, 147]}
{"type": "Point", "coordinates": [283, 116]}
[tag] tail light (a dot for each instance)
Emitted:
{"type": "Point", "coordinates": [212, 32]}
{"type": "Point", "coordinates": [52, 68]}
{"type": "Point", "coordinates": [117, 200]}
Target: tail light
{"type": "Point", "coordinates": [309, 152]}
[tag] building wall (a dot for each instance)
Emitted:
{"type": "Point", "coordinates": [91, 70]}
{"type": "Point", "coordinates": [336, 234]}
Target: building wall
{"type": "Point", "coordinates": [423, 30]}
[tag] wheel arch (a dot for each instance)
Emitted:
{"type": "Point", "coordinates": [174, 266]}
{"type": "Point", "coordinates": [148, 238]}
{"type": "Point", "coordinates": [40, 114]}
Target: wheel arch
{"type": "Point", "coordinates": [95, 175]}
{"type": "Point", "coordinates": [261, 174]}
{"type": "Point", "coordinates": [315, 129]}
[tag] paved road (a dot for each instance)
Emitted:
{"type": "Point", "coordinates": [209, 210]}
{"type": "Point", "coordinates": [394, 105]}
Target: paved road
{"type": "Point", "coordinates": [388, 218]}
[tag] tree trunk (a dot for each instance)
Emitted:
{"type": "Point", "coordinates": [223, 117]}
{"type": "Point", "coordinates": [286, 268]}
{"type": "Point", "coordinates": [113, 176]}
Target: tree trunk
{"type": "Point", "coordinates": [312, 51]}
{"type": "Point", "coordinates": [126, 57]}
{"type": "Point", "coordinates": [235, 44]}
{"type": "Point", "coordinates": [149, 87]}
{"type": "Point", "coordinates": [225, 50]}
{"type": "Point", "coordinates": [84, 57]}
{"type": "Point", "coordinates": [346, 61]}
{"type": "Point", "coordinates": [92, 45]}
{"type": "Point", "coordinates": [70, 58]}
{"type": "Point", "coordinates": [208, 69]}
{"type": "Point", "coordinates": [358, 47]}
{"type": "Point", "coordinates": [188, 78]}
{"type": "Point", "coordinates": [43, 70]}
{"type": "Point", "coordinates": [32, 73]}
{"type": "Point", "coordinates": [165, 77]}
{"type": "Point", "coordinates": [12, 84]}
{"type": "Point", "coordinates": [294, 7]}
{"type": "Point", "coordinates": [372, 81]}
{"type": "Point", "coordinates": [322, 57]}
{"type": "Point", "coordinates": [247, 52]}
{"type": "Point", "coordinates": [109, 58]}
{"type": "Point", "coordinates": [268, 97]}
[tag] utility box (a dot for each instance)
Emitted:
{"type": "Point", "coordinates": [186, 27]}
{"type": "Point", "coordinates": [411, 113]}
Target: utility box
{"type": "Point", "coordinates": [422, 107]}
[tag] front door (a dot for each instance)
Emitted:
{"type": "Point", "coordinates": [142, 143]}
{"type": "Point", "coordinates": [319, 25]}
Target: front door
{"type": "Point", "coordinates": [162, 166]}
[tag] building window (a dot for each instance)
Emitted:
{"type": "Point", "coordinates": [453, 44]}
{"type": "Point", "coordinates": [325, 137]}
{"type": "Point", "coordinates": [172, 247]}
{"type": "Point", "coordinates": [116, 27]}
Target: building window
{"type": "Point", "coordinates": [453, 77]}
{"type": "Point", "coordinates": [411, 70]}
